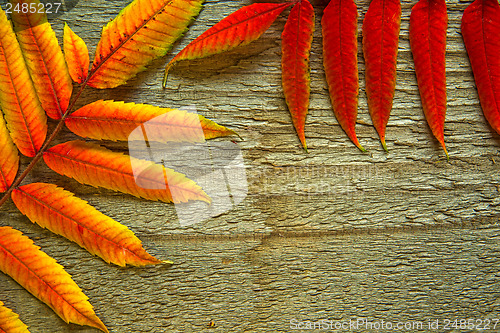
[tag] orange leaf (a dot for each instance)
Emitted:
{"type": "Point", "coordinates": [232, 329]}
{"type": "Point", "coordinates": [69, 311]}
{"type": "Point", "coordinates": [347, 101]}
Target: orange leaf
{"type": "Point", "coordinates": [296, 45]}
{"type": "Point", "coordinates": [143, 31]}
{"type": "Point", "coordinates": [97, 166]}
{"type": "Point", "coordinates": [9, 321]}
{"type": "Point", "coordinates": [240, 28]}
{"type": "Point", "coordinates": [64, 214]}
{"type": "Point", "coordinates": [45, 279]}
{"type": "Point", "coordinates": [44, 58]}
{"type": "Point", "coordinates": [76, 54]}
{"type": "Point", "coordinates": [9, 163]}
{"type": "Point", "coordinates": [24, 115]}
{"type": "Point", "coordinates": [111, 120]}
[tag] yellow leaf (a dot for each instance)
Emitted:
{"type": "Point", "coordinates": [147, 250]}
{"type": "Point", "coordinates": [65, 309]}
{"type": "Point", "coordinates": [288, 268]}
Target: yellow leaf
{"type": "Point", "coordinates": [9, 321]}
{"type": "Point", "coordinates": [61, 212]}
{"type": "Point", "coordinates": [111, 120]}
{"type": "Point", "coordinates": [44, 58]}
{"type": "Point", "coordinates": [45, 279]}
{"type": "Point", "coordinates": [143, 31]}
{"type": "Point", "coordinates": [97, 166]}
{"type": "Point", "coordinates": [24, 115]}
{"type": "Point", "coordinates": [76, 54]}
{"type": "Point", "coordinates": [9, 163]}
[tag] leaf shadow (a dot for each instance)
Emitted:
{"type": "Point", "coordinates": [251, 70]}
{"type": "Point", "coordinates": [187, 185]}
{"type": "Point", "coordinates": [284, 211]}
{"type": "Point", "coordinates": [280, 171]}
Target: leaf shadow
{"type": "Point", "coordinates": [202, 69]}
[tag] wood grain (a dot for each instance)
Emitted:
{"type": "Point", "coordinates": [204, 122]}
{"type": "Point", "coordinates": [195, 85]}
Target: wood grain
{"type": "Point", "coordinates": [333, 234]}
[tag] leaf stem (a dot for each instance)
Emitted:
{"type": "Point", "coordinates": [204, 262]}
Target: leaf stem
{"type": "Point", "coordinates": [42, 150]}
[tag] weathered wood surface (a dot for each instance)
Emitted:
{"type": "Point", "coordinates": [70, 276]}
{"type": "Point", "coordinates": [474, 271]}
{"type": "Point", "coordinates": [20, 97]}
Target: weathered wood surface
{"type": "Point", "coordinates": [404, 235]}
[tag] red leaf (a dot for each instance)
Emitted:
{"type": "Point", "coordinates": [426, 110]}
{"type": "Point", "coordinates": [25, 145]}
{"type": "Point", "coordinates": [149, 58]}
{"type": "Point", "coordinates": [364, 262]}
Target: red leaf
{"type": "Point", "coordinates": [380, 49]}
{"type": "Point", "coordinates": [428, 23]}
{"type": "Point", "coordinates": [296, 46]}
{"type": "Point", "coordinates": [43, 277]}
{"type": "Point", "coordinates": [61, 212]}
{"type": "Point", "coordinates": [481, 34]}
{"type": "Point", "coordinates": [340, 59]}
{"type": "Point", "coordinates": [240, 28]}
{"type": "Point", "coordinates": [97, 166]}
{"type": "Point", "coordinates": [24, 115]}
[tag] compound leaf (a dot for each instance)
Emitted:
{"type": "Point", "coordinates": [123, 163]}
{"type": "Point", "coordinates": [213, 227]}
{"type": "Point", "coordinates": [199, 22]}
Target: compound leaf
{"type": "Point", "coordinates": [240, 28]}
{"type": "Point", "coordinates": [296, 41]}
{"type": "Point", "coordinates": [97, 166]}
{"type": "Point", "coordinates": [481, 34]}
{"type": "Point", "coordinates": [24, 115]}
{"type": "Point", "coordinates": [340, 59]}
{"type": "Point", "coordinates": [380, 49]}
{"type": "Point", "coordinates": [61, 212]}
{"type": "Point", "coordinates": [76, 54]}
{"type": "Point", "coordinates": [112, 120]}
{"type": "Point", "coordinates": [143, 31]}
{"type": "Point", "coordinates": [45, 279]}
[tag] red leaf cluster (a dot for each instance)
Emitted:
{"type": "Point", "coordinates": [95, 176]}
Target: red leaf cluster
{"type": "Point", "coordinates": [339, 23]}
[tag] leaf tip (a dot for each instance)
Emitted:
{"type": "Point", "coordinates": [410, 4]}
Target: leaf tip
{"type": "Point", "coordinates": [167, 262]}
{"type": "Point", "coordinates": [239, 136]}
{"type": "Point", "coordinates": [207, 199]}
{"type": "Point", "coordinates": [357, 144]}
{"type": "Point", "coordinates": [445, 151]}
{"type": "Point", "coordinates": [100, 325]}
{"type": "Point", "coordinates": [304, 145]}
{"type": "Point", "coordinates": [204, 197]}
{"type": "Point", "coordinates": [362, 149]}
{"type": "Point", "coordinates": [384, 145]}
{"type": "Point", "coordinates": [165, 77]}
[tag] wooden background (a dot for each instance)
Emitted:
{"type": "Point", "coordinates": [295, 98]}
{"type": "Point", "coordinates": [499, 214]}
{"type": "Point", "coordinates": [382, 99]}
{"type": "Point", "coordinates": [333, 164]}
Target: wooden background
{"type": "Point", "coordinates": [334, 234]}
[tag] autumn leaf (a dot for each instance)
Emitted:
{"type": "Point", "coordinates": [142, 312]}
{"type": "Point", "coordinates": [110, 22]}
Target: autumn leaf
{"type": "Point", "coordinates": [380, 49]}
{"type": "Point", "coordinates": [34, 75]}
{"type": "Point", "coordinates": [481, 34]}
{"type": "Point", "coordinates": [110, 120]}
{"type": "Point", "coordinates": [45, 279]}
{"type": "Point", "coordinates": [24, 115]}
{"type": "Point", "coordinates": [428, 24]}
{"type": "Point", "coordinates": [143, 31]}
{"type": "Point", "coordinates": [9, 161]}
{"type": "Point", "coordinates": [61, 212]}
{"type": "Point", "coordinates": [9, 321]}
{"type": "Point", "coordinates": [340, 59]}
{"type": "Point", "coordinates": [295, 46]}
{"type": "Point", "coordinates": [44, 58]}
{"type": "Point", "coordinates": [240, 28]}
{"type": "Point", "coordinates": [97, 166]}
{"type": "Point", "coordinates": [76, 55]}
